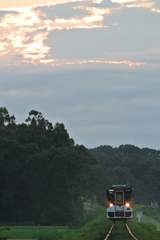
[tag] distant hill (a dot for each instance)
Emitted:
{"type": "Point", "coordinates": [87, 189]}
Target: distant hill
{"type": "Point", "coordinates": [131, 165]}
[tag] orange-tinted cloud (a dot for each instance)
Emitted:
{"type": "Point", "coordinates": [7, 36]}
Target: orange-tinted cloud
{"type": "Point", "coordinates": [141, 4]}
{"type": "Point", "coordinates": [108, 62]}
{"type": "Point", "coordinates": [135, 3]}
{"type": "Point", "coordinates": [155, 10]}
{"type": "Point", "coordinates": [122, 1]}
{"type": "Point", "coordinates": [27, 3]}
{"type": "Point", "coordinates": [26, 29]}
{"type": "Point", "coordinates": [26, 32]}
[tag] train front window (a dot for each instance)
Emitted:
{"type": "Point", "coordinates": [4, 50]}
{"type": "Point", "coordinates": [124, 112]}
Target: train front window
{"type": "Point", "coordinates": [119, 196]}
{"type": "Point", "coordinates": [128, 194]}
{"type": "Point", "coordinates": [110, 195]}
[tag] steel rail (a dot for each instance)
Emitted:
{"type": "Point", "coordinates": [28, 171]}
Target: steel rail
{"type": "Point", "coordinates": [109, 233]}
{"type": "Point", "coordinates": [130, 232]}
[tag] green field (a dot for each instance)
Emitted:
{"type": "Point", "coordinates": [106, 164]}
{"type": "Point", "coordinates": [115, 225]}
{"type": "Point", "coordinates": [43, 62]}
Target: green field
{"type": "Point", "coordinates": [95, 227]}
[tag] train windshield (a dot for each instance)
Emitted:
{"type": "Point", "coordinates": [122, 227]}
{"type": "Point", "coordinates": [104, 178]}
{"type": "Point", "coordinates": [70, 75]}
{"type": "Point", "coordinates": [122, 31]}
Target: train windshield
{"type": "Point", "coordinates": [128, 194]}
{"type": "Point", "coordinates": [110, 195]}
{"type": "Point", "coordinates": [119, 196]}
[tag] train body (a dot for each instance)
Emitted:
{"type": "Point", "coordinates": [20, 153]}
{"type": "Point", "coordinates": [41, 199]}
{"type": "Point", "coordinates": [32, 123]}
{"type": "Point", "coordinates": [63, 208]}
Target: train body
{"type": "Point", "coordinates": [119, 202]}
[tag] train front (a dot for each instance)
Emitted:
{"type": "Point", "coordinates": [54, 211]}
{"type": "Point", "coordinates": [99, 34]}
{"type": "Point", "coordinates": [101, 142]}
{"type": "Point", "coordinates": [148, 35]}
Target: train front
{"type": "Point", "coordinates": [119, 202]}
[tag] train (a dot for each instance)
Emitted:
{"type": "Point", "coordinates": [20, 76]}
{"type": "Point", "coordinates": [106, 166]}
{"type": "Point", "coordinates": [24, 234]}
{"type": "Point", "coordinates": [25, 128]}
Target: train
{"type": "Point", "coordinates": [119, 202]}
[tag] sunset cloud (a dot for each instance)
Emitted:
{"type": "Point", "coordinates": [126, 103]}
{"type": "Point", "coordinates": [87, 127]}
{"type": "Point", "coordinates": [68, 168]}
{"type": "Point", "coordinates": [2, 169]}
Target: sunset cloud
{"type": "Point", "coordinates": [123, 62]}
{"type": "Point", "coordinates": [135, 3]}
{"type": "Point", "coordinates": [20, 27]}
{"type": "Point", "coordinates": [155, 10]}
{"type": "Point", "coordinates": [142, 5]}
{"type": "Point", "coordinates": [26, 31]}
{"type": "Point", "coordinates": [3, 48]}
{"type": "Point", "coordinates": [123, 1]}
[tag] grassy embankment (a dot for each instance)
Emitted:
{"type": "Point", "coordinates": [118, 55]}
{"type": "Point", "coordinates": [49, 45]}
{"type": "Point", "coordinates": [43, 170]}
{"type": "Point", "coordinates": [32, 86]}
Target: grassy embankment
{"type": "Point", "coordinates": [149, 223]}
{"type": "Point", "coordinates": [145, 230]}
{"type": "Point", "coordinates": [95, 227]}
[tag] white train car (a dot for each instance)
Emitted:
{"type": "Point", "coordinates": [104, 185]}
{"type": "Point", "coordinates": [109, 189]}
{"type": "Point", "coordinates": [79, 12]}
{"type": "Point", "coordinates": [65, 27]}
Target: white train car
{"type": "Point", "coordinates": [119, 202]}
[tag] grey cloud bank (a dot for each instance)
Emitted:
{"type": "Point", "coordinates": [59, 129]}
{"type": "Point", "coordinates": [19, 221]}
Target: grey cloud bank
{"type": "Point", "coordinates": [97, 106]}
{"type": "Point", "coordinates": [64, 11]}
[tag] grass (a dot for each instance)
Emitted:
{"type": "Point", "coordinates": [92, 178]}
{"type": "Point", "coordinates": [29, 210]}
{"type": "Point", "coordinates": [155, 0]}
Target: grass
{"type": "Point", "coordinates": [33, 233]}
{"type": "Point", "coordinates": [95, 227]}
{"type": "Point", "coordinates": [149, 223]}
{"type": "Point", "coordinates": [144, 231]}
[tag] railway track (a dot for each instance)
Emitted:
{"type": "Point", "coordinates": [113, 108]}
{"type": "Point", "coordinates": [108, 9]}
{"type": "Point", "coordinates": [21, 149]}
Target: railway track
{"type": "Point", "coordinates": [110, 231]}
{"type": "Point", "coordinates": [130, 232]}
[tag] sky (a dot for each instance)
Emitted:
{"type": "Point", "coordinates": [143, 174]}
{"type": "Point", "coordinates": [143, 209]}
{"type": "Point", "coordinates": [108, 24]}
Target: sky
{"type": "Point", "coordinates": [93, 65]}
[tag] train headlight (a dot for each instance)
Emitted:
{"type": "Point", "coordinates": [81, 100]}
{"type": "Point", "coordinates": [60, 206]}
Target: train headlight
{"type": "Point", "coordinates": [127, 205]}
{"type": "Point", "coordinates": [111, 204]}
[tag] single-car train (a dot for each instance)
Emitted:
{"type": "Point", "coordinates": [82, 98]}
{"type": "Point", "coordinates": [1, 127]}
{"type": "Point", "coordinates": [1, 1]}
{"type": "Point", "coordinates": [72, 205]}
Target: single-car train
{"type": "Point", "coordinates": [119, 202]}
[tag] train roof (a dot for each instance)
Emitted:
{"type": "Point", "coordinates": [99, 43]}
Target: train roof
{"type": "Point", "coordinates": [119, 186]}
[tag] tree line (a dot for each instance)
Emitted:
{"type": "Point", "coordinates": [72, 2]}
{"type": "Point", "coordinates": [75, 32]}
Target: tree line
{"type": "Point", "coordinates": [131, 165]}
{"type": "Point", "coordinates": [44, 175]}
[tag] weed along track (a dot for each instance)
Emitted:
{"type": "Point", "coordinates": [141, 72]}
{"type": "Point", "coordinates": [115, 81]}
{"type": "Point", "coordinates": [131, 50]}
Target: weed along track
{"type": "Point", "coordinates": [119, 231]}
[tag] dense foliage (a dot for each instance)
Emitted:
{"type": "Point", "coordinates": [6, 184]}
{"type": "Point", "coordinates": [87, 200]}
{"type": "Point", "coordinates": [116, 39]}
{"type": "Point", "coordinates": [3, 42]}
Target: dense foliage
{"type": "Point", "coordinates": [43, 174]}
{"type": "Point", "coordinates": [131, 165]}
